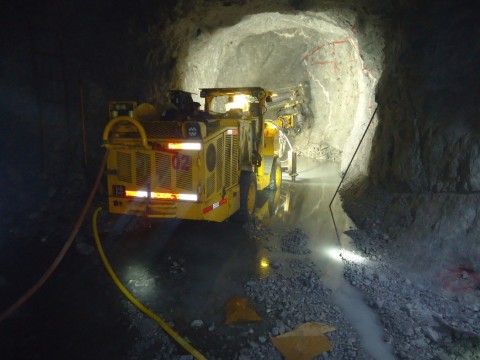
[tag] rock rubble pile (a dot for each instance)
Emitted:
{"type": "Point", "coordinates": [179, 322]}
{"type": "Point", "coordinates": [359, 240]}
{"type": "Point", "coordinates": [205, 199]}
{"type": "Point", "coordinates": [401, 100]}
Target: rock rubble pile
{"type": "Point", "coordinates": [287, 301]}
{"type": "Point", "coordinates": [421, 319]}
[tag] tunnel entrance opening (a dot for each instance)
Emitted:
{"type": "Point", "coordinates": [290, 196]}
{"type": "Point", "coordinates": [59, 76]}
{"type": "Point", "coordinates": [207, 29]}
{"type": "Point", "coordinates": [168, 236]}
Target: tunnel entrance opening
{"type": "Point", "coordinates": [426, 148]}
{"type": "Point", "coordinates": [275, 50]}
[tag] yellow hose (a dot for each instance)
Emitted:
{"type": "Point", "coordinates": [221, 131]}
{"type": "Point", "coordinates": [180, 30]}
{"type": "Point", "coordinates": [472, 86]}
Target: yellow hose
{"type": "Point", "coordinates": [135, 302]}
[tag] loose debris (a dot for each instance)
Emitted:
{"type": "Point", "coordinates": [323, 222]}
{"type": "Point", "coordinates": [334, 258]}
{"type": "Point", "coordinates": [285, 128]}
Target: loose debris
{"type": "Point", "coordinates": [422, 320]}
{"type": "Point", "coordinates": [239, 310]}
{"type": "Point", "coordinates": [290, 301]}
{"type": "Point", "coordinates": [305, 342]}
{"type": "Point", "coordinates": [295, 241]}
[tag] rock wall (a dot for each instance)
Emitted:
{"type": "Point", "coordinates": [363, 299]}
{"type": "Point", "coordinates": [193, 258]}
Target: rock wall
{"type": "Point", "coordinates": [427, 232]}
{"type": "Point", "coordinates": [427, 137]}
{"type": "Point", "coordinates": [334, 47]}
{"type": "Point", "coordinates": [58, 59]}
{"type": "Point", "coordinates": [424, 165]}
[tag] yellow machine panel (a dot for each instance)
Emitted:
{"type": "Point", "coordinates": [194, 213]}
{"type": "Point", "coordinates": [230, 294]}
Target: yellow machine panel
{"type": "Point", "coordinates": [190, 164]}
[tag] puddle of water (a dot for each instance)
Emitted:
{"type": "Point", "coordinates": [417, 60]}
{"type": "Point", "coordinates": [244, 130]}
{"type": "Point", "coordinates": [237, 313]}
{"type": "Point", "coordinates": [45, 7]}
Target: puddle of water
{"type": "Point", "coordinates": [308, 201]}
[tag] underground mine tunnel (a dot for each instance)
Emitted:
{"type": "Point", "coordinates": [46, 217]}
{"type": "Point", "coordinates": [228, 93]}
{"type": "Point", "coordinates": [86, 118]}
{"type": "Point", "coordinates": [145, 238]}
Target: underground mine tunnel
{"type": "Point", "coordinates": [385, 268]}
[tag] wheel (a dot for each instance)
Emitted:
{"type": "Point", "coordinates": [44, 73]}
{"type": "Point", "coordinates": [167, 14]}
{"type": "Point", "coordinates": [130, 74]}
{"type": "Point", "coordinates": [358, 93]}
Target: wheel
{"type": "Point", "coordinates": [248, 194]}
{"type": "Point", "coordinates": [275, 175]}
{"type": "Point", "coordinates": [273, 201]}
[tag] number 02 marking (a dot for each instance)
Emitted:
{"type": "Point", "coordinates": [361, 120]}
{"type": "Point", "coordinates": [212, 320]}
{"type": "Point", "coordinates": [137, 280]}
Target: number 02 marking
{"type": "Point", "coordinates": [181, 162]}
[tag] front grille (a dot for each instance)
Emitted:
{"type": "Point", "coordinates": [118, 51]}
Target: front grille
{"type": "Point", "coordinates": [220, 162]}
{"type": "Point", "coordinates": [162, 129]}
{"type": "Point", "coordinates": [163, 170]}
{"type": "Point", "coordinates": [228, 161]}
{"type": "Point", "coordinates": [184, 177]}
{"type": "Point", "coordinates": [231, 160]}
{"type": "Point", "coordinates": [210, 184]}
{"type": "Point", "coordinates": [143, 168]}
{"type": "Point", "coordinates": [124, 167]}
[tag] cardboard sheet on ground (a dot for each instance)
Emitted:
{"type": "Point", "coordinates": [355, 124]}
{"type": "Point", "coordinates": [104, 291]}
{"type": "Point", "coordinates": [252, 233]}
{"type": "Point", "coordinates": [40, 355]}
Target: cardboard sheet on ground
{"type": "Point", "coordinates": [239, 310]}
{"type": "Point", "coordinates": [305, 342]}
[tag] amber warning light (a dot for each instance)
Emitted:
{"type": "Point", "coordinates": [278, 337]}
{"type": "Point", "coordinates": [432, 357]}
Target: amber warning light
{"type": "Point", "coordinates": [185, 146]}
{"type": "Point", "coordinates": [163, 196]}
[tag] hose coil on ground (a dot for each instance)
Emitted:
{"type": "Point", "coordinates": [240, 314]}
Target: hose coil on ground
{"type": "Point", "coordinates": [134, 301]}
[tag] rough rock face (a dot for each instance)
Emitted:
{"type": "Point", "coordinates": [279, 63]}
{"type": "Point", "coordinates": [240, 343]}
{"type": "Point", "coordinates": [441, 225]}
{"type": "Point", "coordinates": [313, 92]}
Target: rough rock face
{"type": "Point", "coordinates": [334, 48]}
{"type": "Point", "coordinates": [428, 231]}
{"type": "Point", "coordinates": [60, 64]}
{"type": "Point", "coordinates": [433, 317]}
{"type": "Point", "coordinates": [425, 152]}
{"type": "Point", "coordinates": [427, 138]}
{"type": "Point", "coordinates": [427, 134]}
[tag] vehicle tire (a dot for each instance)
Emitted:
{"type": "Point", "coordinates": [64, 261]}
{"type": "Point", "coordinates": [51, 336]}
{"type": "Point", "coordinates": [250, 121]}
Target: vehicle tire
{"type": "Point", "coordinates": [275, 175]}
{"type": "Point", "coordinates": [273, 201]}
{"type": "Point", "coordinates": [248, 194]}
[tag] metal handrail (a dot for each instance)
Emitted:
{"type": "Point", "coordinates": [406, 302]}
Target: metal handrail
{"type": "Point", "coordinates": [346, 171]}
{"type": "Point", "coordinates": [115, 121]}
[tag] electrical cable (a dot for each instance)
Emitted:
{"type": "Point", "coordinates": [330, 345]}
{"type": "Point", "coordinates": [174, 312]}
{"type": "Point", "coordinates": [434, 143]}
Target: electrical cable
{"type": "Point", "coordinates": [346, 171]}
{"type": "Point", "coordinates": [23, 299]}
{"type": "Point", "coordinates": [134, 301]}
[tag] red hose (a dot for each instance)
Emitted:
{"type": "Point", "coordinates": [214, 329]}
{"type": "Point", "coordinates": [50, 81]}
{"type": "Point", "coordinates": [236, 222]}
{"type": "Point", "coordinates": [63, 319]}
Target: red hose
{"type": "Point", "coordinates": [22, 300]}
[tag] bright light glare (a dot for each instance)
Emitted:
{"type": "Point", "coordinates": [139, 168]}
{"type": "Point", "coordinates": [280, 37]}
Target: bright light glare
{"type": "Point", "coordinates": [136, 193]}
{"type": "Point", "coordinates": [339, 254]}
{"type": "Point", "coordinates": [165, 196]}
{"type": "Point", "coordinates": [140, 281]}
{"type": "Point", "coordinates": [185, 146]}
{"type": "Point", "coordinates": [188, 197]}
{"type": "Point", "coordinates": [239, 102]}
{"type": "Point", "coordinates": [264, 263]}
{"type": "Point", "coordinates": [263, 267]}
{"type": "Point", "coordinates": [351, 256]}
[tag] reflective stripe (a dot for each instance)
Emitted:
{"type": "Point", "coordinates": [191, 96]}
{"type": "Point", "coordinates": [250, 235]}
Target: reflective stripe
{"type": "Point", "coordinates": [232, 132]}
{"type": "Point", "coordinates": [185, 146]}
{"type": "Point", "coordinates": [215, 205]}
{"type": "Point", "coordinates": [165, 196]}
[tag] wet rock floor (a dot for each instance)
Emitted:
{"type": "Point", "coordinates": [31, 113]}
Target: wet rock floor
{"type": "Point", "coordinates": [287, 265]}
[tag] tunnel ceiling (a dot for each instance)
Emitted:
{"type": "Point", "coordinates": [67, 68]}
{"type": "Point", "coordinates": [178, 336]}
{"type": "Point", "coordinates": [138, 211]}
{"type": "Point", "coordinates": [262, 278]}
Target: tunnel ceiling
{"type": "Point", "coordinates": [419, 61]}
{"type": "Point", "coordinates": [261, 47]}
{"type": "Point", "coordinates": [269, 59]}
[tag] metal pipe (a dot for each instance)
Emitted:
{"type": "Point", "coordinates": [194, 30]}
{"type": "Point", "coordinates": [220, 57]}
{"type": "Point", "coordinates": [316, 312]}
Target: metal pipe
{"type": "Point", "coordinates": [134, 122]}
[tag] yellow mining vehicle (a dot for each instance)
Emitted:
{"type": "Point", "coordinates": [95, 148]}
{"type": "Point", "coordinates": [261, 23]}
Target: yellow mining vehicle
{"type": "Point", "coordinates": [188, 163]}
{"type": "Point", "coordinates": [288, 110]}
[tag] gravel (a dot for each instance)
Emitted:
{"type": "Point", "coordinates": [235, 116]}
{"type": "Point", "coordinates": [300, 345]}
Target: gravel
{"type": "Point", "coordinates": [287, 301]}
{"type": "Point", "coordinates": [423, 323]}
{"type": "Point", "coordinates": [302, 298]}
{"type": "Point", "coordinates": [289, 296]}
{"type": "Point", "coordinates": [419, 320]}
{"type": "Point", "coordinates": [295, 242]}
{"type": "Point", "coordinates": [421, 316]}
{"type": "Point", "coordinates": [424, 316]}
